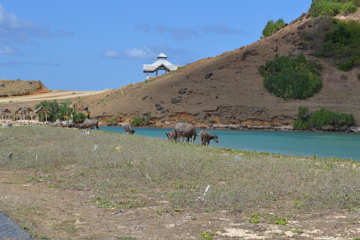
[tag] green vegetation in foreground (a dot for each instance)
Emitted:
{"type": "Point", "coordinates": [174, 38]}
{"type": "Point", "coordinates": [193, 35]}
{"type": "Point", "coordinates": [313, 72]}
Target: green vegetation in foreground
{"type": "Point", "coordinates": [289, 77]}
{"type": "Point", "coordinates": [336, 40]}
{"type": "Point", "coordinates": [322, 118]}
{"type": "Point", "coordinates": [123, 166]}
{"type": "Point", "coordinates": [272, 27]}
{"type": "Point", "coordinates": [333, 7]}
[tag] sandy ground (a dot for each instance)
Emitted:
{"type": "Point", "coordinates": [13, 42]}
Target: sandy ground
{"type": "Point", "coordinates": [56, 94]}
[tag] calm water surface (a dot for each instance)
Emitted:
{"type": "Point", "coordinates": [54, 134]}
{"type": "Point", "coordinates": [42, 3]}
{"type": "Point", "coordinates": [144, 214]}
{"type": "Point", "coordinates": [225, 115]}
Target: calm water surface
{"type": "Point", "coordinates": [320, 144]}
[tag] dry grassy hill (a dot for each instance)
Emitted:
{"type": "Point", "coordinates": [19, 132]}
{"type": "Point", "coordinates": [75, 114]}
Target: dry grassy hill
{"type": "Point", "coordinates": [21, 88]}
{"type": "Point", "coordinates": [227, 89]}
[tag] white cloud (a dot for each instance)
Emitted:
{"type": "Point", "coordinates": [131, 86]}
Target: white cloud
{"type": "Point", "coordinates": [4, 49]}
{"type": "Point", "coordinates": [222, 29]}
{"type": "Point", "coordinates": [11, 21]}
{"type": "Point", "coordinates": [186, 33]}
{"type": "Point", "coordinates": [48, 63]}
{"type": "Point", "coordinates": [139, 53]}
{"type": "Point", "coordinates": [151, 52]}
{"type": "Point", "coordinates": [111, 53]}
{"type": "Point", "coordinates": [15, 30]}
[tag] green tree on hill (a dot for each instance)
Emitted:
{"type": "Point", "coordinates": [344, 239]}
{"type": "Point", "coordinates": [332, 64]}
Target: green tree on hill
{"type": "Point", "coordinates": [272, 27]}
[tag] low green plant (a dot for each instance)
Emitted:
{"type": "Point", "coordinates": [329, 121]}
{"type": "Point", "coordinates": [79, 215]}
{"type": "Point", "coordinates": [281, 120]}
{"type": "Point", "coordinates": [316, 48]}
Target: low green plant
{"type": "Point", "coordinates": [141, 121]}
{"type": "Point", "coordinates": [278, 220]}
{"type": "Point", "coordinates": [111, 121]}
{"type": "Point", "coordinates": [288, 77]}
{"type": "Point", "coordinates": [272, 27]}
{"type": "Point", "coordinates": [321, 118]}
{"type": "Point", "coordinates": [207, 234]}
{"type": "Point", "coordinates": [325, 117]}
{"type": "Point", "coordinates": [302, 121]}
{"type": "Point", "coordinates": [255, 218]}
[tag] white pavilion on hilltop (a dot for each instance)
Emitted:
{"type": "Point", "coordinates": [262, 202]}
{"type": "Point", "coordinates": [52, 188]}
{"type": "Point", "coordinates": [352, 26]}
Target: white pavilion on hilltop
{"type": "Point", "coordinates": [160, 64]}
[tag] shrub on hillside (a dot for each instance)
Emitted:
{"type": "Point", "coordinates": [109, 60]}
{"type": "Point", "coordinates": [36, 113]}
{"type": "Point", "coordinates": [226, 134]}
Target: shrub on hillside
{"type": "Point", "coordinates": [288, 77]}
{"type": "Point", "coordinates": [321, 118]}
{"type": "Point", "coordinates": [336, 40]}
{"type": "Point", "coordinates": [272, 27]}
{"type": "Point", "coordinates": [333, 7]}
{"type": "Point", "coordinates": [141, 121]}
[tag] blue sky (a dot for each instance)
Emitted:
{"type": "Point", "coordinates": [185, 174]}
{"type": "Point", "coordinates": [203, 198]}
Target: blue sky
{"type": "Point", "coordinates": [96, 45]}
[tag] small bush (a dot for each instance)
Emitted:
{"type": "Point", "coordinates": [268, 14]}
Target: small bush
{"type": "Point", "coordinates": [321, 118]}
{"type": "Point", "coordinates": [302, 118]}
{"type": "Point", "coordinates": [79, 117]}
{"type": "Point", "coordinates": [111, 121]}
{"type": "Point", "coordinates": [141, 121]}
{"type": "Point", "coordinates": [286, 77]}
{"type": "Point", "coordinates": [272, 27]}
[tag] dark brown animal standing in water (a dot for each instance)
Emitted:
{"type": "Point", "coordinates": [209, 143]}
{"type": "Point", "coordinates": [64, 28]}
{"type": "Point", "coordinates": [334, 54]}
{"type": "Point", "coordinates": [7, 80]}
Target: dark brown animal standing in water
{"type": "Point", "coordinates": [205, 137]}
{"type": "Point", "coordinates": [128, 128]}
{"type": "Point", "coordinates": [184, 130]}
{"type": "Point", "coordinates": [88, 124]}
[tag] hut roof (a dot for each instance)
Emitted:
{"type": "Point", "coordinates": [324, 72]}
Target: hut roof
{"type": "Point", "coordinates": [41, 109]}
{"type": "Point", "coordinates": [5, 110]}
{"type": "Point", "coordinates": [24, 110]}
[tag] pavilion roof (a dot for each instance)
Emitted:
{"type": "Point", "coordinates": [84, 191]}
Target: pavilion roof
{"type": "Point", "coordinates": [162, 55]}
{"type": "Point", "coordinates": [159, 64]}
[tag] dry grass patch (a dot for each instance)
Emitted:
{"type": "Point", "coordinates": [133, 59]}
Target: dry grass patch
{"type": "Point", "coordinates": [114, 164]}
{"type": "Point", "coordinates": [118, 172]}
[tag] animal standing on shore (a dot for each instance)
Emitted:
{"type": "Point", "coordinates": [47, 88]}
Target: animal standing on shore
{"type": "Point", "coordinates": [171, 135]}
{"type": "Point", "coordinates": [128, 128]}
{"type": "Point", "coordinates": [88, 124]}
{"type": "Point", "coordinates": [184, 130]}
{"type": "Point", "coordinates": [205, 137]}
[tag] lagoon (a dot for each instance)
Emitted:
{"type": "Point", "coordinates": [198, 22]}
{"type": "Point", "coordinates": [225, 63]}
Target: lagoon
{"type": "Point", "coordinates": [298, 143]}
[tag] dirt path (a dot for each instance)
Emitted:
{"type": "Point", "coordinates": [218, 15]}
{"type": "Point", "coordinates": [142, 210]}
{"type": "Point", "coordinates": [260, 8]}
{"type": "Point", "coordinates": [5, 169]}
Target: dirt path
{"type": "Point", "coordinates": [57, 94]}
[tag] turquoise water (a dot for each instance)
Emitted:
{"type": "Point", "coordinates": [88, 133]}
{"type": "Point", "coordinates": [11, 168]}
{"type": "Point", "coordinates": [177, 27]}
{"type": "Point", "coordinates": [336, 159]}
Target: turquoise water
{"type": "Point", "coordinates": [320, 144]}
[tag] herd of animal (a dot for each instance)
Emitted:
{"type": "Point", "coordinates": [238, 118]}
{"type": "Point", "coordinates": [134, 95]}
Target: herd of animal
{"type": "Point", "coordinates": [181, 131]}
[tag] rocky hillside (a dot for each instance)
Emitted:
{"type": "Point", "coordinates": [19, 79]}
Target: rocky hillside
{"type": "Point", "coordinates": [21, 88]}
{"type": "Point", "coordinates": [227, 89]}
